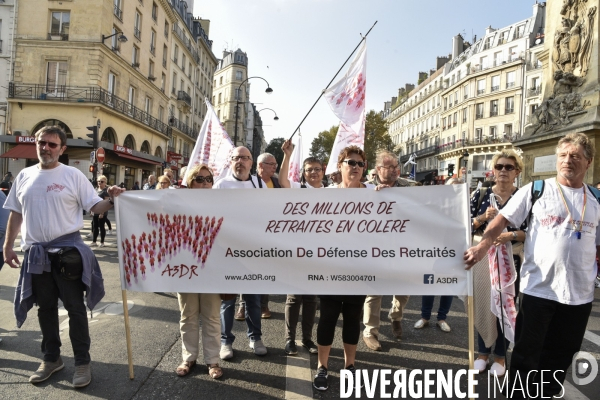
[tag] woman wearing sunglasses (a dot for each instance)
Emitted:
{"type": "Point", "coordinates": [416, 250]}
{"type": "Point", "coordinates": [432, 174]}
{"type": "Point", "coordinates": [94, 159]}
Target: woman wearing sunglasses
{"type": "Point", "coordinates": [98, 220]}
{"type": "Point", "coordinates": [196, 307]}
{"type": "Point", "coordinates": [351, 164]}
{"type": "Point", "coordinates": [163, 182]}
{"type": "Point", "coordinates": [507, 166]}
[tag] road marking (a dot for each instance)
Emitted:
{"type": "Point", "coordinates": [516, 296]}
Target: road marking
{"type": "Point", "coordinates": [592, 337]}
{"type": "Point", "coordinates": [572, 393]}
{"type": "Point", "coordinates": [298, 376]}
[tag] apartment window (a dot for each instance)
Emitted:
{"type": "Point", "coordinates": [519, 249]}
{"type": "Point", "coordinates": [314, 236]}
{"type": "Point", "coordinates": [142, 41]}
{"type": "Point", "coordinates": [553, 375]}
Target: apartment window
{"type": "Point", "coordinates": [493, 108]}
{"type": "Point", "coordinates": [464, 115]}
{"type": "Point", "coordinates": [152, 41]}
{"type": "Point", "coordinates": [56, 76]}
{"type": "Point", "coordinates": [181, 85]}
{"type": "Point", "coordinates": [163, 79]}
{"type": "Point", "coordinates": [176, 54]}
{"type": "Point", "coordinates": [190, 70]}
{"type": "Point", "coordinates": [148, 105]}
{"type": "Point", "coordinates": [503, 37]}
{"type": "Point", "coordinates": [112, 82]}
{"type": "Point", "coordinates": [456, 96]}
{"type": "Point", "coordinates": [520, 31]}
{"type": "Point", "coordinates": [238, 94]}
{"type": "Point", "coordinates": [466, 91]}
{"type": "Point", "coordinates": [512, 53]}
{"type": "Point", "coordinates": [238, 75]}
{"type": "Point", "coordinates": [118, 7]}
{"type": "Point", "coordinates": [443, 123]}
{"type": "Point", "coordinates": [492, 132]}
{"type": "Point", "coordinates": [135, 57]}
{"type": "Point", "coordinates": [488, 43]}
{"type": "Point", "coordinates": [495, 83]}
{"type": "Point", "coordinates": [154, 12]}
{"type": "Point", "coordinates": [161, 112]}
{"type": "Point", "coordinates": [497, 58]}
{"type": "Point", "coordinates": [510, 79]}
{"type": "Point", "coordinates": [481, 86]}
{"type": "Point", "coordinates": [173, 83]}
{"type": "Point", "coordinates": [151, 70]}
{"type": "Point", "coordinates": [455, 119]}
{"type": "Point", "coordinates": [508, 130]}
{"type": "Point", "coordinates": [113, 41]}
{"type": "Point", "coordinates": [137, 25]}
{"type": "Point", "coordinates": [131, 95]}
{"type": "Point", "coordinates": [478, 135]}
{"type": "Point", "coordinates": [59, 25]}
{"type": "Point", "coordinates": [478, 110]}
{"type": "Point", "coordinates": [483, 62]}
{"type": "Point", "coordinates": [165, 52]}
{"type": "Point", "coordinates": [509, 106]}
{"type": "Point", "coordinates": [166, 29]}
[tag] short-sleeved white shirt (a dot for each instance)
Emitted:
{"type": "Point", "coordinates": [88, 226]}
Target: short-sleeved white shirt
{"type": "Point", "coordinates": [557, 265]}
{"type": "Point", "coordinates": [298, 185]}
{"type": "Point", "coordinates": [229, 182]}
{"type": "Point", "coordinates": [51, 202]}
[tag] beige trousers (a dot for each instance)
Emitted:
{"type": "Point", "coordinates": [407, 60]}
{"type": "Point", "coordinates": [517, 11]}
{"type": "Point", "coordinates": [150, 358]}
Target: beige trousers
{"type": "Point", "coordinates": [196, 307]}
{"type": "Point", "coordinates": [373, 310]}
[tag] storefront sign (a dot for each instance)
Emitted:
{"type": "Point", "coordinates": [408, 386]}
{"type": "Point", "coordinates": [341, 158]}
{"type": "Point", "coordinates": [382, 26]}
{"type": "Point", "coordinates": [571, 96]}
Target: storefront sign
{"type": "Point", "coordinates": [354, 241]}
{"type": "Point", "coordinates": [26, 139]}
{"type": "Point", "coordinates": [122, 149]}
{"type": "Point", "coordinates": [171, 156]}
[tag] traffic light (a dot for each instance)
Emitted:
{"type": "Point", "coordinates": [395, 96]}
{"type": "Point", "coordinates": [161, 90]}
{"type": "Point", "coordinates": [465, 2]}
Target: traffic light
{"type": "Point", "coordinates": [450, 170]}
{"type": "Point", "coordinates": [94, 136]}
{"type": "Point", "coordinates": [93, 168]}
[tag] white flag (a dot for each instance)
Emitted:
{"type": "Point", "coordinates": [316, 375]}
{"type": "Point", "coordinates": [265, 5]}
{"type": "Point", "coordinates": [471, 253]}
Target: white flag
{"type": "Point", "coordinates": [213, 146]}
{"type": "Point", "coordinates": [347, 101]}
{"type": "Point", "coordinates": [296, 162]}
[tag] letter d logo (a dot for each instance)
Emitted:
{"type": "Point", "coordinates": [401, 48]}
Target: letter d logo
{"type": "Point", "coordinates": [584, 363]}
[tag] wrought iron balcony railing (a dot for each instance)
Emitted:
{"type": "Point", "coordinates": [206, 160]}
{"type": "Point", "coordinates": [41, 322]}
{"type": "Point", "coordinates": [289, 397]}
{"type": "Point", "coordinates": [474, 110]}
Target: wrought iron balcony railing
{"type": "Point", "coordinates": [179, 125]}
{"type": "Point", "coordinates": [85, 94]}
{"type": "Point", "coordinates": [183, 96]}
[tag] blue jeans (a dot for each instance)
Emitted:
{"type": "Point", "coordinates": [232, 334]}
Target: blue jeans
{"type": "Point", "coordinates": [47, 288]}
{"type": "Point", "coordinates": [252, 318]}
{"type": "Point", "coordinates": [500, 346]}
{"type": "Point", "coordinates": [427, 306]}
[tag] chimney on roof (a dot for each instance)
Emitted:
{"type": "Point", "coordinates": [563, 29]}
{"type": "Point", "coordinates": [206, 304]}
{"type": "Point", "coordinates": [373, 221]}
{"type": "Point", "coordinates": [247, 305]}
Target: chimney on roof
{"type": "Point", "coordinates": [457, 45]}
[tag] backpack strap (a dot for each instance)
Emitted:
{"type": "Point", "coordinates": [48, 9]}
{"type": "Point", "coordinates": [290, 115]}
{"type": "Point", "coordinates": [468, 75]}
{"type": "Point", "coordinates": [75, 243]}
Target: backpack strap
{"type": "Point", "coordinates": [595, 192]}
{"type": "Point", "coordinates": [537, 189]}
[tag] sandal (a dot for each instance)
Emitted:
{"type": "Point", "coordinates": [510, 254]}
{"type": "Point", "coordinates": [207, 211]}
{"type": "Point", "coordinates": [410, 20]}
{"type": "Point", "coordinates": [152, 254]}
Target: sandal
{"type": "Point", "coordinates": [214, 371]}
{"type": "Point", "coordinates": [184, 368]}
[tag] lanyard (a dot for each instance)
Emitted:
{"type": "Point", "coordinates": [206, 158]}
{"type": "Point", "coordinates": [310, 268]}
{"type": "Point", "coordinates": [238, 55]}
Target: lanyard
{"type": "Point", "coordinates": [577, 231]}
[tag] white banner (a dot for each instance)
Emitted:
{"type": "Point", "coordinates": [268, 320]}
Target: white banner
{"type": "Point", "coordinates": [213, 146]}
{"type": "Point", "coordinates": [352, 241]}
{"type": "Point", "coordinates": [295, 169]}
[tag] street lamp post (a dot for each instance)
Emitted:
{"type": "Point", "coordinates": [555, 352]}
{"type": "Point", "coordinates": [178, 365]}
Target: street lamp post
{"type": "Point", "coordinates": [122, 38]}
{"type": "Point", "coordinates": [237, 104]}
{"type": "Point", "coordinates": [466, 161]}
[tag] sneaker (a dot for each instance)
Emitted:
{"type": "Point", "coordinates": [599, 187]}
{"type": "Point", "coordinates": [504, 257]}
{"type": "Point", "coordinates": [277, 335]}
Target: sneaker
{"type": "Point", "coordinates": [226, 352]}
{"type": "Point", "coordinates": [101, 245]}
{"type": "Point", "coordinates": [597, 282]}
{"type": "Point", "coordinates": [320, 381]}
{"type": "Point", "coordinates": [444, 325]}
{"type": "Point", "coordinates": [240, 315]}
{"type": "Point", "coordinates": [258, 347]}
{"type": "Point", "coordinates": [110, 232]}
{"type": "Point", "coordinates": [82, 376]}
{"type": "Point", "coordinates": [93, 244]}
{"type": "Point", "coordinates": [88, 236]}
{"type": "Point", "coordinates": [46, 369]}
{"type": "Point", "coordinates": [356, 374]}
{"type": "Point", "coordinates": [497, 369]}
{"type": "Point", "coordinates": [422, 323]}
{"type": "Point", "coordinates": [310, 346]}
{"type": "Point", "coordinates": [480, 364]}
{"type": "Point", "coordinates": [290, 348]}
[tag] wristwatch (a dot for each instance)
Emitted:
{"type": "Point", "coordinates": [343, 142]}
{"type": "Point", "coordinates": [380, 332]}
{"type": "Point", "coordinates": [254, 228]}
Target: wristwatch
{"type": "Point", "coordinates": [514, 235]}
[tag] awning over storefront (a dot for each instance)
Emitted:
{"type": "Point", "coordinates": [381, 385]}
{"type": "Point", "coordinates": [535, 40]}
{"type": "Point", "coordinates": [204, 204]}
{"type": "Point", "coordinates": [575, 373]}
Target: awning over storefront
{"type": "Point", "coordinates": [139, 159]}
{"type": "Point", "coordinates": [21, 151]}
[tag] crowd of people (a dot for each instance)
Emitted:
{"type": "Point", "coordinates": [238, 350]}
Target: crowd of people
{"type": "Point", "coordinates": [556, 291]}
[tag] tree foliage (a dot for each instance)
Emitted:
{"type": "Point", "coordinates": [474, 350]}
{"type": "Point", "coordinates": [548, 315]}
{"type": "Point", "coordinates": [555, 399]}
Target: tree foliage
{"type": "Point", "coordinates": [376, 138]}
{"type": "Point", "coordinates": [274, 147]}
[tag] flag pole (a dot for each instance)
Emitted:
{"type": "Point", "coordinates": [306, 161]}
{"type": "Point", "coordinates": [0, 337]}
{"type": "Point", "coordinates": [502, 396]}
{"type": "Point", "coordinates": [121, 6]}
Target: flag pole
{"type": "Point", "coordinates": [332, 79]}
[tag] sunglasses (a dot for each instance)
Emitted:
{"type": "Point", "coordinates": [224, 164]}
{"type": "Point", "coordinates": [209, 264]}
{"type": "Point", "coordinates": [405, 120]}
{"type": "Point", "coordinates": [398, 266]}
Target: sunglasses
{"type": "Point", "coordinates": [202, 179]}
{"type": "Point", "coordinates": [354, 163]}
{"type": "Point", "coordinates": [101, 181]}
{"type": "Point", "coordinates": [43, 143]}
{"type": "Point", "coordinates": [507, 167]}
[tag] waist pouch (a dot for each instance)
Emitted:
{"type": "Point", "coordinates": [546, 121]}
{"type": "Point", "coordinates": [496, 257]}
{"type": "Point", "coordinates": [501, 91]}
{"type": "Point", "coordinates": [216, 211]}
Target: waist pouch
{"type": "Point", "coordinates": [69, 263]}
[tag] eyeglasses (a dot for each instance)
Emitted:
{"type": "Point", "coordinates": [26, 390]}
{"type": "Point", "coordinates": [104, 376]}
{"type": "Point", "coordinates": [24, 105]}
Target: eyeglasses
{"type": "Point", "coordinates": [43, 143]}
{"type": "Point", "coordinates": [238, 158]}
{"type": "Point", "coordinates": [164, 183]}
{"type": "Point", "coordinates": [272, 164]}
{"type": "Point", "coordinates": [101, 181]}
{"type": "Point", "coordinates": [507, 167]}
{"type": "Point", "coordinates": [202, 179]}
{"type": "Point", "coordinates": [311, 170]}
{"type": "Point", "coordinates": [354, 163]}
{"type": "Point", "coordinates": [390, 167]}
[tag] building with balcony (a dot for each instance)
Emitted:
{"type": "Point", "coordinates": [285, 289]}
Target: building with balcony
{"type": "Point", "coordinates": [7, 13]}
{"type": "Point", "coordinates": [533, 80]}
{"type": "Point", "coordinates": [231, 94]}
{"type": "Point", "coordinates": [483, 95]}
{"type": "Point", "coordinates": [81, 63]}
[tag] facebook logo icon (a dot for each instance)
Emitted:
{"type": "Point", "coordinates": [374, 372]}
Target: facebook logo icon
{"type": "Point", "coordinates": [428, 279]}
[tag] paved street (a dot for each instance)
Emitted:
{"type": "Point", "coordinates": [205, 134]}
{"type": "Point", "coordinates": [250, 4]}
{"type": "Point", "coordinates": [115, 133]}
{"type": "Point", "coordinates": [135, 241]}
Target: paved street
{"type": "Point", "coordinates": [157, 351]}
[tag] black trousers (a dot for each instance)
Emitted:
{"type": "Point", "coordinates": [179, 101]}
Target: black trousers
{"type": "Point", "coordinates": [547, 336]}
{"type": "Point", "coordinates": [292, 315]}
{"type": "Point", "coordinates": [351, 309]}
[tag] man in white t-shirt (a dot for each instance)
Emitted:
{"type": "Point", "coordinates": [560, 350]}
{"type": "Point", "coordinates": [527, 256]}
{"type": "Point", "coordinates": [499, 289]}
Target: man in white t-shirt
{"type": "Point", "coordinates": [240, 178]}
{"type": "Point", "coordinates": [46, 204]}
{"type": "Point", "coordinates": [557, 276]}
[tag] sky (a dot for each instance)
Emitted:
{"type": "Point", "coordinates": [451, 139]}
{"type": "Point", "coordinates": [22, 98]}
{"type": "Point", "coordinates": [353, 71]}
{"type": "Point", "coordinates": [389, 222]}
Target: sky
{"type": "Point", "coordinates": [299, 45]}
